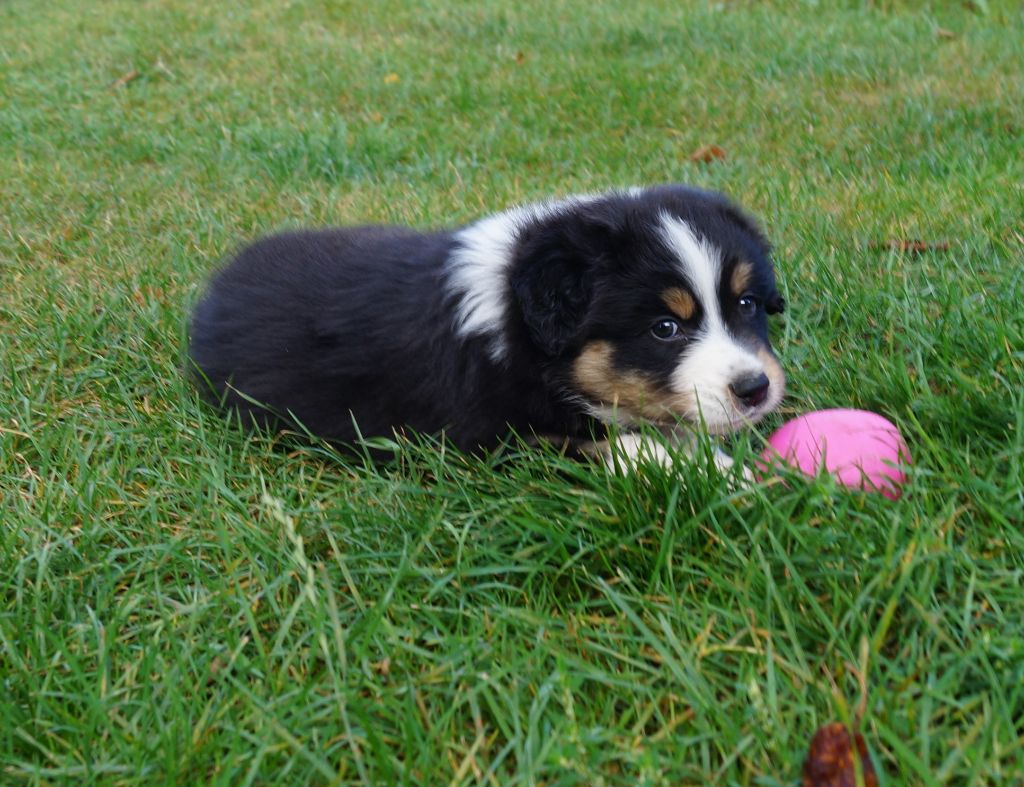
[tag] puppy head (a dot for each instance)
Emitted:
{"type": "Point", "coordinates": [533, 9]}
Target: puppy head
{"type": "Point", "coordinates": [654, 305]}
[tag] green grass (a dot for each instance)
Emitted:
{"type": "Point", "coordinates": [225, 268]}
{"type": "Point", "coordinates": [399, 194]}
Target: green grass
{"type": "Point", "coordinates": [182, 603]}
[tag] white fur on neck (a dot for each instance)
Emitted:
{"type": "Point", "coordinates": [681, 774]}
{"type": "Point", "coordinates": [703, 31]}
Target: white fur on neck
{"type": "Point", "coordinates": [478, 268]}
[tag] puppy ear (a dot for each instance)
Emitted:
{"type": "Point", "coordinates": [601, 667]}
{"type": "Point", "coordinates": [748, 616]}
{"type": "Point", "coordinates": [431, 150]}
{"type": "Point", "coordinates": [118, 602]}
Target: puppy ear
{"type": "Point", "coordinates": [552, 280]}
{"type": "Point", "coordinates": [776, 304]}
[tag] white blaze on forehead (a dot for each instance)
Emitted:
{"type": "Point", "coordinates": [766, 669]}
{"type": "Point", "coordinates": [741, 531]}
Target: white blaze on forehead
{"type": "Point", "coordinates": [700, 263]}
{"type": "Point", "coordinates": [478, 268]}
{"type": "Point", "coordinates": [713, 358]}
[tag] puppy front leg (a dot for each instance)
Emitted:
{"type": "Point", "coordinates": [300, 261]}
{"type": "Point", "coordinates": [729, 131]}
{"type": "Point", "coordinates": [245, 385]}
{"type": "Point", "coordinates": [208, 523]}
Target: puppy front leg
{"type": "Point", "coordinates": [685, 438]}
{"type": "Point", "coordinates": [627, 452]}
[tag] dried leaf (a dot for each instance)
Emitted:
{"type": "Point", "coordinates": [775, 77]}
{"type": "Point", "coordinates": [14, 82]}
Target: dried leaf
{"type": "Point", "coordinates": [942, 32]}
{"type": "Point", "coordinates": [911, 246]}
{"type": "Point", "coordinates": [391, 78]}
{"type": "Point", "coordinates": [830, 761]}
{"type": "Point", "coordinates": [124, 79]}
{"type": "Point", "coordinates": [520, 58]}
{"type": "Point", "coordinates": [707, 154]}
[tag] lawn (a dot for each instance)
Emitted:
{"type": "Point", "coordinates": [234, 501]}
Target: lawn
{"type": "Point", "coordinates": [181, 602]}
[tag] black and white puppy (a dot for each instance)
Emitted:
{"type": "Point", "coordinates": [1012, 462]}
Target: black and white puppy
{"type": "Point", "coordinates": [550, 320]}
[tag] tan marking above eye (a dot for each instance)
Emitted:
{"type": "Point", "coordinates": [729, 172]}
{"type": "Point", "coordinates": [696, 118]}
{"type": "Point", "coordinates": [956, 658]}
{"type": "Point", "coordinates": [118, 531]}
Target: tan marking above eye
{"type": "Point", "coordinates": [772, 368]}
{"type": "Point", "coordinates": [741, 277]}
{"type": "Point", "coordinates": [680, 302]}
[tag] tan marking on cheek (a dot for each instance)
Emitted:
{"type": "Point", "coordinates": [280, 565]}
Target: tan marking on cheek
{"type": "Point", "coordinates": [628, 391]}
{"type": "Point", "coordinates": [773, 369]}
{"type": "Point", "coordinates": [680, 302]}
{"type": "Point", "coordinates": [741, 276]}
{"type": "Point", "coordinates": [592, 369]}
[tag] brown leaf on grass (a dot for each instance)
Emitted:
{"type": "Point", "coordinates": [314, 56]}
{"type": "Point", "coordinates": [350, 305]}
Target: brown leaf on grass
{"type": "Point", "coordinates": [391, 79]}
{"type": "Point", "coordinates": [942, 32]}
{"type": "Point", "coordinates": [124, 79]}
{"type": "Point", "coordinates": [910, 246]}
{"type": "Point", "coordinates": [830, 761]}
{"type": "Point", "coordinates": [520, 58]}
{"type": "Point", "coordinates": [707, 154]}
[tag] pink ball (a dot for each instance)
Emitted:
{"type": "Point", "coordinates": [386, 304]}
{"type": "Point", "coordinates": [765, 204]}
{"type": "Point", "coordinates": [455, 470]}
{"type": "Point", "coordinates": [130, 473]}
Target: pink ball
{"type": "Point", "coordinates": [861, 450]}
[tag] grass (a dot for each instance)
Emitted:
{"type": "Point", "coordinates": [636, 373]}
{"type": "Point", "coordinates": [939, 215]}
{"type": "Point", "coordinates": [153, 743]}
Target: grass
{"type": "Point", "coordinates": [182, 603]}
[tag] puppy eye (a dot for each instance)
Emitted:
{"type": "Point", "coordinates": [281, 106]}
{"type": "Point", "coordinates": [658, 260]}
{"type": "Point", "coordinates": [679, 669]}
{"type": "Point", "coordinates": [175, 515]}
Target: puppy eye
{"type": "Point", "coordinates": [665, 330]}
{"type": "Point", "coordinates": [748, 305]}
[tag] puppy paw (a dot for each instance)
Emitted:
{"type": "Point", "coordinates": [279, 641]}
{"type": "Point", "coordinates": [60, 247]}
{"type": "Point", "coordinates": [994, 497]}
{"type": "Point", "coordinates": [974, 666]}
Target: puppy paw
{"type": "Point", "coordinates": [743, 479]}
{"type": "Point", "coordinates": [627, 452]}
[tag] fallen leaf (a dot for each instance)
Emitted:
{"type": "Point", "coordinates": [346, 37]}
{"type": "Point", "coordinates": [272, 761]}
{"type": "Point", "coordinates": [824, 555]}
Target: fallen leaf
{"type": "Point", "coordinates": [707, 154]}
{"type": "Point", "coordinates": [520, 58]}
{"type": "Point", "coordinates": [911, 246]}
{"type": "Point", "coordinates": [942, 32]}
{"type": "Point", "coordinates": [124, 79]}
{"type": "Point", "coordinates": [391, 79]}
{"type": "Point", "coordinates": [830, 760]}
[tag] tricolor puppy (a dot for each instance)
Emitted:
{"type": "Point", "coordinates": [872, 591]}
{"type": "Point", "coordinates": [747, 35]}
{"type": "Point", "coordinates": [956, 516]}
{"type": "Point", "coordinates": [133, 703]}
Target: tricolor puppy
{"type": "Point", "coordinates": [551, 320]}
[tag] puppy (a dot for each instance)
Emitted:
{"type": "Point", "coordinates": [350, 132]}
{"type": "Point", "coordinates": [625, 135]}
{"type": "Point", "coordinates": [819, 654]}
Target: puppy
{"type": "Point", "coordinates": [552, 321]}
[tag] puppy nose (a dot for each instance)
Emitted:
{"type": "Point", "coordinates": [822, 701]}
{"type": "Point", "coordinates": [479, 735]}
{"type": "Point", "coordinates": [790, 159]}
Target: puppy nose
{"type": "Point", "coordinates": [750, 390]}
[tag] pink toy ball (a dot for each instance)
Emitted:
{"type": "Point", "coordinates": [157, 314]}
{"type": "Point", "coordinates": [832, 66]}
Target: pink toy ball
{"type": "Point", "coordinates": [861, 450]}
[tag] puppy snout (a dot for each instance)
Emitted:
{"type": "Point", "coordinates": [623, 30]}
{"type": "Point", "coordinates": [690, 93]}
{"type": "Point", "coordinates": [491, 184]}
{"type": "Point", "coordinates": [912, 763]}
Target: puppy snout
{"type": "Point", "coordinates": [750, 390]}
